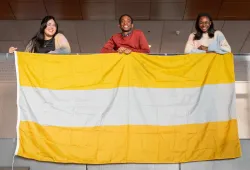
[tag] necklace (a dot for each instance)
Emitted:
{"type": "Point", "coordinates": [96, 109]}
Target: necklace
{"type": "Point", "coordinates": [46, 43]}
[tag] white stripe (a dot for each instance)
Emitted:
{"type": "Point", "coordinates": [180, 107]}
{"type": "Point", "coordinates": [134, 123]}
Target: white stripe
{"type": "Point", "coordinates": [121, 106]}
{"type": "Point", "coordinates": [18, 102]}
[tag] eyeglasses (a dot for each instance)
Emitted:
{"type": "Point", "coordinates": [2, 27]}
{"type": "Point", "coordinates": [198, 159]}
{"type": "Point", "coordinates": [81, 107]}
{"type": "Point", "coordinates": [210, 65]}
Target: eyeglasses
{"type": "Point", "coordinates": [204, 23]}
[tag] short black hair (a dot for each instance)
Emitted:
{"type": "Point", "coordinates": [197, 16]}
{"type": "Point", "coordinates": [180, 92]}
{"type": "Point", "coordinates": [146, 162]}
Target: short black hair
{"type": "Point", "coordinates": [120, 19]}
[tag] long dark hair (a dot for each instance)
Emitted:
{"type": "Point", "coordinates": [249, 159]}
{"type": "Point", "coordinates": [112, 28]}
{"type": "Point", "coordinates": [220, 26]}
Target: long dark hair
{"type": "Point", "coordinates": [199, 32]}
{"type": "Point", "coordinates": [38, 40]}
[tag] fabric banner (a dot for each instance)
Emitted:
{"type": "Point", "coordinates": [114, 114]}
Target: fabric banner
{"type": "Point", "coordinates": [117, 108]}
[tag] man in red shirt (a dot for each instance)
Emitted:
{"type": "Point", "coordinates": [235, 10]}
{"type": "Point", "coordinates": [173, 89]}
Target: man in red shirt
{"type": "Point", "coordinates": [127, 41]}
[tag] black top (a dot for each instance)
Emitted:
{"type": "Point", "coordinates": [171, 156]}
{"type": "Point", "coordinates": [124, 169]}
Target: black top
{"type": "Point", "coordinates": [49, 45]}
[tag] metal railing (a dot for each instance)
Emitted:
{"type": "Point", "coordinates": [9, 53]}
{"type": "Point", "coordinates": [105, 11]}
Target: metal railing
{"type": "Point", "coordinates": [241, 57]}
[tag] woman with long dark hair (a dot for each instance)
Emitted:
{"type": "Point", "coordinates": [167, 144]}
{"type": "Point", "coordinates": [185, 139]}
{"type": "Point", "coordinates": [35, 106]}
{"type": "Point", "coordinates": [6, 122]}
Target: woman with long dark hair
{"type": "Point", "coordinates": [47, 39]}
{"type": "Point", "coordinates": [206, 39]}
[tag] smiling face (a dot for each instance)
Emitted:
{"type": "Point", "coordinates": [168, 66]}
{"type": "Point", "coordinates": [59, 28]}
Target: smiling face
{"type": "Point", "coordinates": [204, 24]}
{"type": "Point", "coordinates": [50, 29]}
{"type": "Point", "coordinates": [126, 24]}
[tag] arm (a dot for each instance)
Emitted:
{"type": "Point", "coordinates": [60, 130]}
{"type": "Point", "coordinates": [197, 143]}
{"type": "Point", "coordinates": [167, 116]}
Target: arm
{"type": "Point", "coordinates": [190, 47]}
{"type": "Point", "coordinates": [144, 48]}
{"type": "Point", "coordinates": [225, 46]}
{"type": "Point", "coordinates": [220, 44]}
{"type": "Point", "coordinates": [61, 44]}
{"type": "Point", "coordinates": [109, 46]}
{"type": "Point", "coordinates": [12, 49]}
{"type": "Point", "coordinates": [29, 47]}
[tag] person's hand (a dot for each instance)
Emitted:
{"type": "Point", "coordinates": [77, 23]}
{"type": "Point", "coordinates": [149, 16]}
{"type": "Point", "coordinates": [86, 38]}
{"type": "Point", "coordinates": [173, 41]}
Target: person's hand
{"type": "Point", "coordinates": [52, 52]}
{"type": "Point", "coordinates": [124, 50]}
{"type": "Point", "coordinates": [204, 48]}
{"type": "Point", "coordinates": [127, 51]}
{"type": "Point", "coordinates": [121, 50]}
{"type": "Point", "coordinates": [12, 49]}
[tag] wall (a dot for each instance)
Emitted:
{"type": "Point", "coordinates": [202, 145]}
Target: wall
{"type": "Point", "coordinates": [90, 36]}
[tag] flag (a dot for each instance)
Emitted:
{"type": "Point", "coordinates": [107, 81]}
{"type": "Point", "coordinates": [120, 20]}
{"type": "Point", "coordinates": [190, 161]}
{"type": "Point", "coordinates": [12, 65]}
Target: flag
{"type": "Point", "coordinates": [118, 108]}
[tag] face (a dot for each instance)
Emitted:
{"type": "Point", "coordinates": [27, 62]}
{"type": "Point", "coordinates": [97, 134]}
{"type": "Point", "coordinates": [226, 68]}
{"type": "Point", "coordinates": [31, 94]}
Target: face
{"type": "Point", "coordinates": [126, 24]}
{"type": "Point", "coordinates": [204, 23]}
{"type": "Point", "coordinates": [50, 30]}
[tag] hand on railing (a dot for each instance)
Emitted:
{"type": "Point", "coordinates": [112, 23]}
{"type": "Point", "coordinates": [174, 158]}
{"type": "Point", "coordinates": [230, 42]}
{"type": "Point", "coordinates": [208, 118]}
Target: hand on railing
{"type": "Point", "coordinates": [124, 50]}
{"type": "Point", "coordinates": [12, 49]}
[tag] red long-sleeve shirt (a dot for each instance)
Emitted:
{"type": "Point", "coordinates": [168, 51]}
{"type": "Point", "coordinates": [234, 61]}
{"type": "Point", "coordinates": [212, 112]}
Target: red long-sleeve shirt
{"type": "Point", "coordinates": [136, 42]}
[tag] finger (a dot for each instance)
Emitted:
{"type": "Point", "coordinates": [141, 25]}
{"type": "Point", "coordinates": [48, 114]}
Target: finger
{"type": "Point", "coordinates": [13, 48]}
{"type": "Point", "coordinates": [128, 51]}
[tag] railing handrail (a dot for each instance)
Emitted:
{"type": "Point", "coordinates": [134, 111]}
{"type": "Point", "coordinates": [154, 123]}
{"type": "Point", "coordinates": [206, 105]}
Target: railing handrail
{"type": "Point", "coordinates": [241, 57]}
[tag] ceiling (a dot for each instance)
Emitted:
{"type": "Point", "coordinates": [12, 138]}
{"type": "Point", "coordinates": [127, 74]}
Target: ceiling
{"type": "Point", "coordinates": [112, 9]}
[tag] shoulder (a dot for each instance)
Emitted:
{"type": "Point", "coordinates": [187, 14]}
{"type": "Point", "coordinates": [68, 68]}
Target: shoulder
{"type": "Point", "coordinates": [191, 36]}
{"type": "Point", "coordinates": [218, 32]}
{"type": "Point", "coordinates": [138, 33]}
{"type": "Point", "coordinates": [59, 36]}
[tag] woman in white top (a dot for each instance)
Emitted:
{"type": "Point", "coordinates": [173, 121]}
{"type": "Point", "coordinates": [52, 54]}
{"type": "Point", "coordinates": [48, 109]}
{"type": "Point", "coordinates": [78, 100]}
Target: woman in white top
{"type": "Point", "coordinates": [206, 39]}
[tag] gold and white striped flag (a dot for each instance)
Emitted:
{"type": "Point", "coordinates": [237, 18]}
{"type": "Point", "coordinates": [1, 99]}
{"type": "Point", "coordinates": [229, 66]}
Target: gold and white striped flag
{"type": "Point", "coordinates": [137, 108]}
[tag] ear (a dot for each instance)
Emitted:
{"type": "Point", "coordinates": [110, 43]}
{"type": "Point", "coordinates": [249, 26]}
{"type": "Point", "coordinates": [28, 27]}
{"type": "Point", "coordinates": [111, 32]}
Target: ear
{"type": "Point", "coordinates": [132, 25]}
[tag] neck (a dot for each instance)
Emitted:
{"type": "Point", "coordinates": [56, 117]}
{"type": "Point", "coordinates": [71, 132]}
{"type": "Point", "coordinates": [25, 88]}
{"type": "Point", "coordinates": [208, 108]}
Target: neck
{"type": "Point", "coordinates": [126, 33]}
{"type": "Point", "coordinates": [47, 38]}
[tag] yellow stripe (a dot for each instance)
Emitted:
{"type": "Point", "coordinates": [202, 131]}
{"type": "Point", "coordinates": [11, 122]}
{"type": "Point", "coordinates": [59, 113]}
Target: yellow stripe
{"type": "Point", "coordinates": [131, 143]}
{"type": "Point", "coordinates": [100, 71]}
